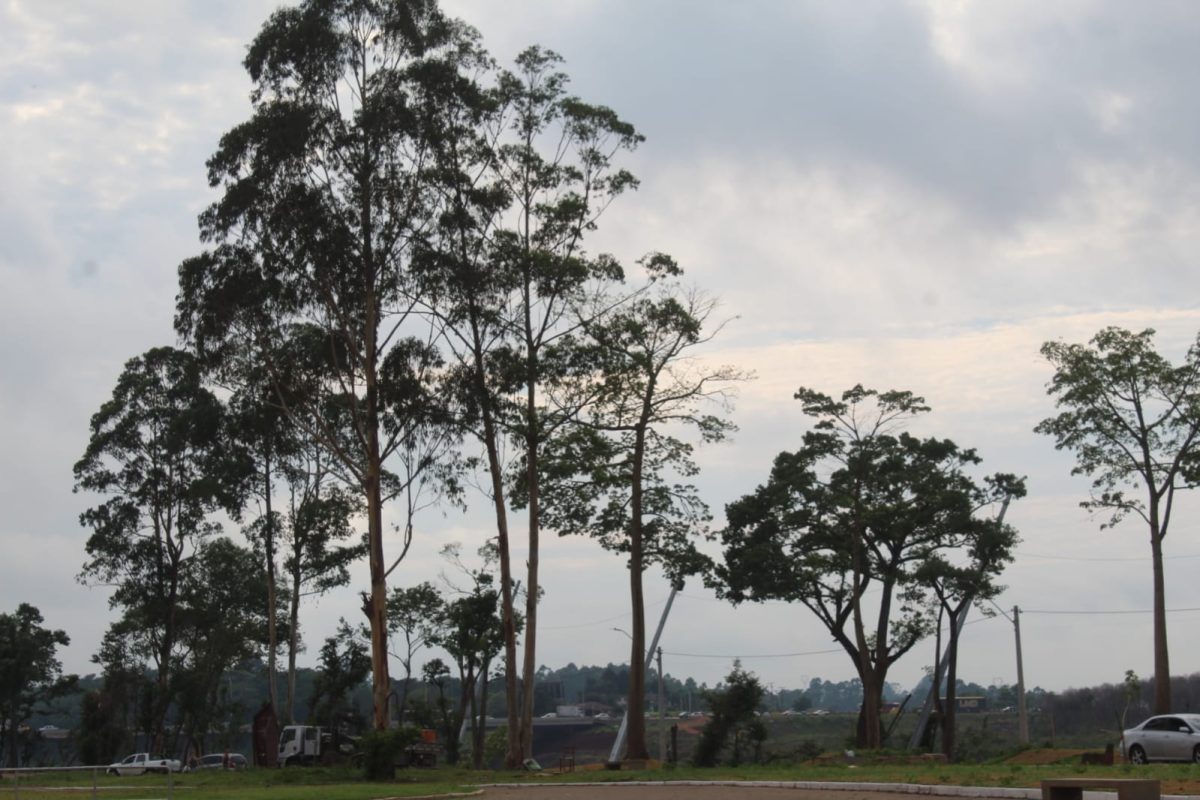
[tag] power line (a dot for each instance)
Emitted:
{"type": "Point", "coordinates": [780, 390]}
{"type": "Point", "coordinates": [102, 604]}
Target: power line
{"type": "Point", "coordinates": [1109, 613]}
{"type": "Point", "coordinates": [622, 615]}
{"type": "Point", "coordinates": [760, 655]}
{"type": "Point", "coordinates": [787, 655]}
{"type": "Point", "coordinates": [1085, 558]}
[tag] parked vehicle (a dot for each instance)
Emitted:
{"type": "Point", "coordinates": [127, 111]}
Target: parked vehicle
{"type": "Point", "coordinates": [141, 763]}
{"type": "Point", "coordinates": [307, 744]}
{"type": "Point", "coordinates": [1169, 737]}
{"type": "Point", "coordinates": [218, 761]}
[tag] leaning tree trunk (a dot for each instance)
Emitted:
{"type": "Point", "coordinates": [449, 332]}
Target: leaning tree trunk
{"type": "Point", "coordinates": [514, 754]}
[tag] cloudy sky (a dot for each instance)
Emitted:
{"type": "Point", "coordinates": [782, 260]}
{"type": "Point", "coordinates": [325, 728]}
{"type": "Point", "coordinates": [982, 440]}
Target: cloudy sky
{"type": "Point", "coordinates": [904, 194]}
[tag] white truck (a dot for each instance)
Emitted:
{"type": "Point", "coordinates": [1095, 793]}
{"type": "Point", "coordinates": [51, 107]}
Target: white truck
{"type": "Point", "coordinates": [141, 763]}
{"type": "Point", "coordinates": [310, 744]}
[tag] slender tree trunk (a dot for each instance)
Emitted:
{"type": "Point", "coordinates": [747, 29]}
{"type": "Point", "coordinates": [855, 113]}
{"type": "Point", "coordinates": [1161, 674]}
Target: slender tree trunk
{"type": "Point", "coordinates": [869, 728]}
{"type": "Point", "coordinates": [1162, 664]}
{"type": "Point", "coordinates": [948, 717]}
{"type": "Point", "coordinates": [272, 627]}
{"type": "Point", "coordinates": [636, 742]}
{"type": "Point", "coordinates": [479, 740]}
{"type": "Point", "coordinates": [514, 754]}
{"type": "Point", "coordinates": [10, 739]}
{"type": "Point", "coordinates": [162, 690]}
{"type": "Point", "coordinates": [375, 604]}
{"type": "Point", "coordinates": [293, 644]}
{"type": "Point", "coordinates": [404, 691]}
{"type": "Point", "coordinates": [529, 671]}
{"type": "Point", "coordinates": [936, 686]}
{"type": "Point", "coordinates": [469, 715]}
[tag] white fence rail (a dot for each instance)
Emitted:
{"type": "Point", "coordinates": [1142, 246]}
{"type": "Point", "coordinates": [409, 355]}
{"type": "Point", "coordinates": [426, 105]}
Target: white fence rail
{"type": "Point", "coordinates": [15, 775]}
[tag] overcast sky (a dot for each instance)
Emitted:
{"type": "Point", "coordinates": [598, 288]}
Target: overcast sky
{"type": "Point", "coordinates": [908, 195]}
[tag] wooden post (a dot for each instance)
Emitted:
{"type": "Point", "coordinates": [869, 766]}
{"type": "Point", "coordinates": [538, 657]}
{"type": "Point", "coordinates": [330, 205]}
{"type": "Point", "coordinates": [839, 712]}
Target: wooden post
{"type": "Point", "coordinates": [1022, 715]}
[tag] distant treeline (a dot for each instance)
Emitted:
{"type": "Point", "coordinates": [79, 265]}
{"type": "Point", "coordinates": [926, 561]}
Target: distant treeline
{"type": "Point", "coordinates": [1075, 711]}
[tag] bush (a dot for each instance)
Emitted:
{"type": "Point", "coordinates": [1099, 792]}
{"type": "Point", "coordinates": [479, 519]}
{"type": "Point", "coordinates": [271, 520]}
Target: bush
{"type": "Point", "coordinates": [807, 750]}
{"type": "Point", "coordinates": [381, 751]}
{"type": "Point", "coordinates": [733, 705]}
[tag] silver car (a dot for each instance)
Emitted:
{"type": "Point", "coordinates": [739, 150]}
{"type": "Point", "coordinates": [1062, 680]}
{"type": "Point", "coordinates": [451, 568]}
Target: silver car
{"type": "Point", "coordinates": [1170, 737]}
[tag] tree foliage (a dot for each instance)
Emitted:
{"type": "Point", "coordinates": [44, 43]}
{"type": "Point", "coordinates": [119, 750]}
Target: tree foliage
{"type": "Point", "coordinates": [861, 505]}
{"type": "Point", "coordinates": [964, 573]}
{"type": "Point", "coordinates": [325, 190]}
{"type": "Point", "coordinates": [526, 177]}
{"type": "Point", "coordinates": [621, 474]}
{"type": "Point", "coordinates": [733, 712]}
{"type": "Point", "coordinates": [344, 664]}
{"type": "Point", "coordinates": [223, 623]}
{"type": "Point", "coordinates": [30, 672]}
{"type": "Point", "coordinates": [1133, 421]}
{"type": "Point", "coordinates": [415, 614]}
{"type": "Point", "coordinates": [160, 452]}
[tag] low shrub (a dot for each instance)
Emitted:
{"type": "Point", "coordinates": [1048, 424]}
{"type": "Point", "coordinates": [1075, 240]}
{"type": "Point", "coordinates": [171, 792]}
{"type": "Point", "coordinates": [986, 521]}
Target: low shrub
{"type": "Point", "coordinates": [381, 751]}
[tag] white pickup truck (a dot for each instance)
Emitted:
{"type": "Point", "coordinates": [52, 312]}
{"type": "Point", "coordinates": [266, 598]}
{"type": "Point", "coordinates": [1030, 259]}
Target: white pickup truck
{"type": "Point", "coordinates": [141, 763]}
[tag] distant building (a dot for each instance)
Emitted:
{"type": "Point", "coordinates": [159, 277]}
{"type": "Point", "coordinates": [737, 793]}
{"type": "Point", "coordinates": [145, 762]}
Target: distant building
{"type": "Point", "coordinates": [970, 704]}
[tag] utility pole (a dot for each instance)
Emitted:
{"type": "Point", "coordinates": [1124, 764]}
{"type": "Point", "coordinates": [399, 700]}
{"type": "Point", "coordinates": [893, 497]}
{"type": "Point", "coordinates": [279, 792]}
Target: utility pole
{"type": "Point", "coordinates": [615, 756]}
{"type": "Point", "coordinates": [1022, 715]}
{"type": "Point", "coordinates": [662, 713]}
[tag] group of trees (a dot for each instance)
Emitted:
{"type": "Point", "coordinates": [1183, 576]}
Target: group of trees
{"type": "Point", "coordinates": [396, 276]}
{"type": "Point", "coordinates": [396, 280]}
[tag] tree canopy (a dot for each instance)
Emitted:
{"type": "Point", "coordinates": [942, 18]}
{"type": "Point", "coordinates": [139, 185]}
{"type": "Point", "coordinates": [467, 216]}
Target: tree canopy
{"type": "Point", "coordinates": [30, 672]}
{"type": "Point", "coordinates": [862, 504]}
{"type": "Point", "coordinates": [1132, 418]}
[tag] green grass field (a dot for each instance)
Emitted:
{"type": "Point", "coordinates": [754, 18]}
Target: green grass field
{"type": "Point", "coordinates": [342, 784]}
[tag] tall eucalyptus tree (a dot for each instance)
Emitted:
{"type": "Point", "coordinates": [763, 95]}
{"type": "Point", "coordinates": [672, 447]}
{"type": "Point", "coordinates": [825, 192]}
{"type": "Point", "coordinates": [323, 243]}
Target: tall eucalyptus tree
{"type": "Point", "coordinates": [325, 191]}
{"type": "Point", "coordinates": [529, 174]}
{"type": "Point", "coordinates": [621, 473]}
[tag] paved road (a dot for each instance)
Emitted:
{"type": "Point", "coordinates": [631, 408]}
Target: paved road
{"type": "Point", "coordinates": [617, 791]}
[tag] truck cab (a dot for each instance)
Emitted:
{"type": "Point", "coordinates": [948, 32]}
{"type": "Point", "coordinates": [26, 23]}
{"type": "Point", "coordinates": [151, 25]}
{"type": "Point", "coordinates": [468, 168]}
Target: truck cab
{"type": "Point", "coordinates": [299, 744]}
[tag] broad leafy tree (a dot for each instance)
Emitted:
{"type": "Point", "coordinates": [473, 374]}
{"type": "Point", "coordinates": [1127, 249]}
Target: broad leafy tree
{"type": "Point", "coordinates": [344, 664]}
{"type": "Point", "coordinates": [325, 189]}
{"type": "Point", "coordinates": [415, 615]}
{"type": "Point", "coordinates": [620, 475]}
{"type": "Point", "coordinates": [160, 456]}
{"type": "Point", "coordinates": [472, 634]}
{"type": "Point", "coordinates": [318, 544]}
{"type": "Point", "coordinates": [30, 672]}
{"type": "Point", "coordinates": [224, 622]}
{"type": "Point", "coordinates": [1133, 420]}
{"type": "Point", "coordinates": [860, 506]}
{"type": "Point", "coordinates": [111, 714]}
